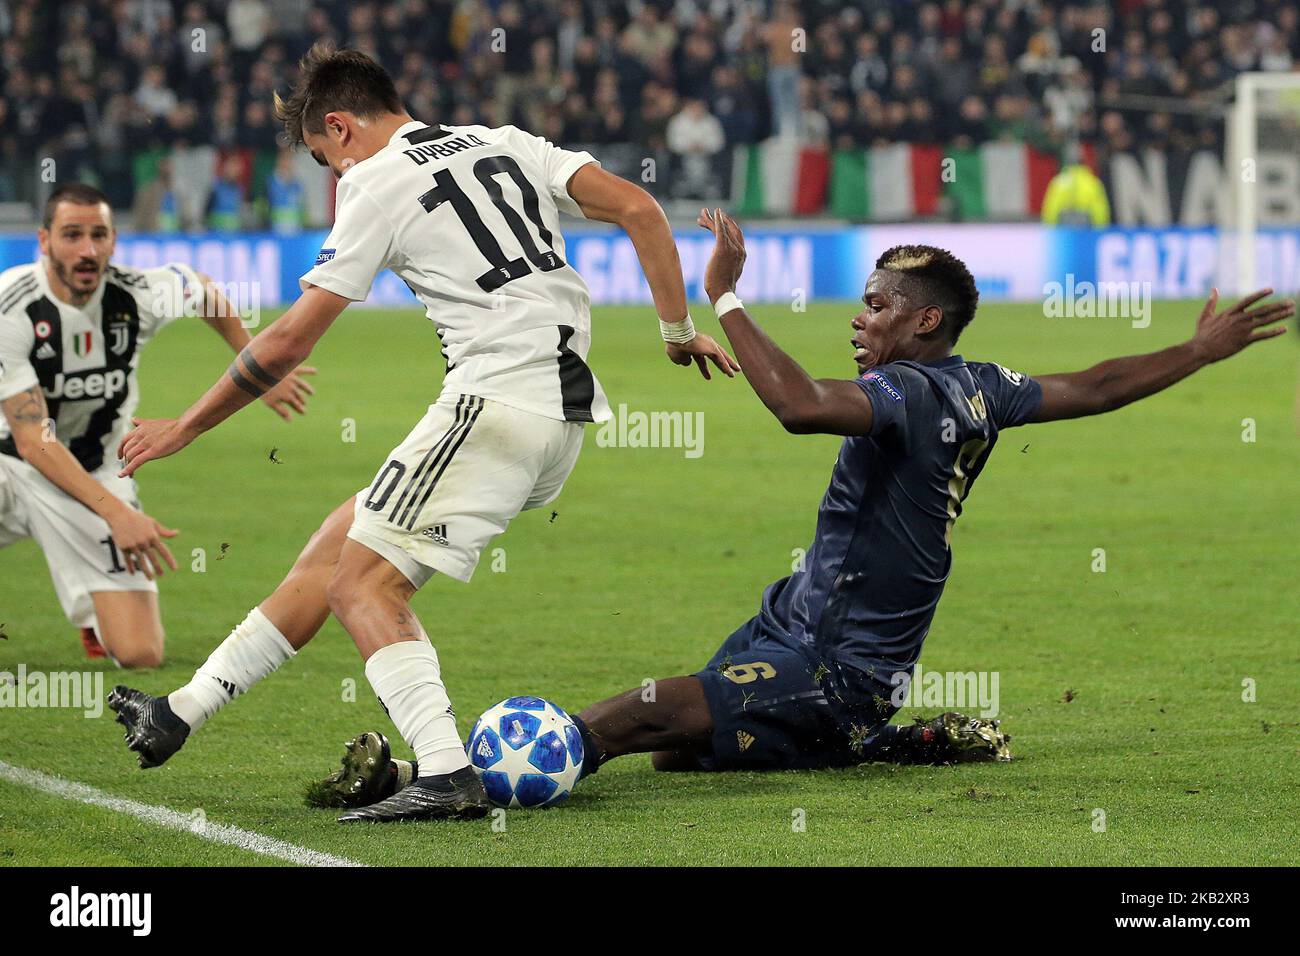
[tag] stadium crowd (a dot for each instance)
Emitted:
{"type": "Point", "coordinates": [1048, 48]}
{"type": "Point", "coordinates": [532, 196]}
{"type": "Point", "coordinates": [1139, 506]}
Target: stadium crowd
{"type": "Point", "coordinates": [148, 96]}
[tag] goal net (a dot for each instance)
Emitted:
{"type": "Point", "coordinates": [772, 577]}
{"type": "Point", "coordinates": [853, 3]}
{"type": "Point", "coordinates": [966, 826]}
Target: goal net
{"type": "Point", "coordinates": [1263, 167]}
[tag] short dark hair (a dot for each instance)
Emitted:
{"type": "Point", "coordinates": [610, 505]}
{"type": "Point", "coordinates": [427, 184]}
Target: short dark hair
{"type": "Point", "coordinates": [80, 194]}
{"type": "Point", "coordinates": [935, 276]}
{"type": "Point", "coordinates": [330, 79]}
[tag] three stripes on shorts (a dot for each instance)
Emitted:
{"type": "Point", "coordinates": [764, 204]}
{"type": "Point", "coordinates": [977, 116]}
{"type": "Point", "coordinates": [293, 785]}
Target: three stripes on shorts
{"type": "Point", "coordinates": [421, 483]}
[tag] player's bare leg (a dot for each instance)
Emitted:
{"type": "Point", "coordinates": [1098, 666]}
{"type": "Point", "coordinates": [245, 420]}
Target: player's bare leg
{"type": "Point", "coordinates": [130, 627]}
{"type": "Point", "coordinates": [156, 727]}
{"type": "Point", "coordinates": [673, 726]}
{"type": "Point", "coordinates": [299, 607]}
{"type": "Point", "coordinates": [676, 728]}
{"type": "Point", "coordinates": [371, 598]}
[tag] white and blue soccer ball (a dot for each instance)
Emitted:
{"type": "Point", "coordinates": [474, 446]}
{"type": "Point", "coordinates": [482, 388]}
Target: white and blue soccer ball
{"type": "Point", "coordinates": [527, 752]}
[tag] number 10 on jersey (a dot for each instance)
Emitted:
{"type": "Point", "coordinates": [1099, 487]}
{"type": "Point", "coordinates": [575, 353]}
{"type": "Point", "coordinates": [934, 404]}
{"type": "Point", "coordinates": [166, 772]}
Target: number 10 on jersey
{"type": "Point", "coordinates": [503, 270]}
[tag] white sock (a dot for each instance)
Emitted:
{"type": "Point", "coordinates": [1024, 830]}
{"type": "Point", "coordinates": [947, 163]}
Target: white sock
{"type": "Point", "coordinates": [408, 681]}
{"type": "Point", "coordinates": [254, 649]}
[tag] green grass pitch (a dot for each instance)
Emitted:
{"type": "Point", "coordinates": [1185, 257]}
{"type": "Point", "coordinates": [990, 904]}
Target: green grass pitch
{"type": "Point", "coordinates": [652, 559]}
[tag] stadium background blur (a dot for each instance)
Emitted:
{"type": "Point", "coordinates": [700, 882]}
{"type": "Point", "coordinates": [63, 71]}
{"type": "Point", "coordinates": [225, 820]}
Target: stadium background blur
{"type": "Point", "coordinates": [167, 103]}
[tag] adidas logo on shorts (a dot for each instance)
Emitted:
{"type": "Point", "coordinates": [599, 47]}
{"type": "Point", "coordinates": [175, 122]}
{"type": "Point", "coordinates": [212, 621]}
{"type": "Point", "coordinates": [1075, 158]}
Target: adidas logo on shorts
{"type": "Point", "coordinates": [743, 740]}
{"type": "Point", "coordinates": [438, 533]}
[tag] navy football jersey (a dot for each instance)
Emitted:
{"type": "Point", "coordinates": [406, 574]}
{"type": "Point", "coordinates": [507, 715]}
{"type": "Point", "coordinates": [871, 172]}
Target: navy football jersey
{"type": "Point", "coordinates": [877, 566]}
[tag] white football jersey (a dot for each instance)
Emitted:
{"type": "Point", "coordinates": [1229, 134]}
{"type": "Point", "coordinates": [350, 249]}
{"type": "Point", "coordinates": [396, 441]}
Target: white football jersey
{"type": "Point", "coordinates": [468, 217]}
{"type": "Point", "coordinates": [85, 357]}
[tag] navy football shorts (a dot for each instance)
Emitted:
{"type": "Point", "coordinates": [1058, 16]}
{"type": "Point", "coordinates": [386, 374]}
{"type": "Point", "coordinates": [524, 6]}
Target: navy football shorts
{"type": "Point", "coordinates": [769, 709]}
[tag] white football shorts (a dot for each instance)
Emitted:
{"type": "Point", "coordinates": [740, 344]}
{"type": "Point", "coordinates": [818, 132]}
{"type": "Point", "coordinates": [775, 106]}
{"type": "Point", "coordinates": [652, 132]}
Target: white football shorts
{"type": "Point", "coordinates": [457, 480]}
{"type": "Point", "coordinates": [76, 542]}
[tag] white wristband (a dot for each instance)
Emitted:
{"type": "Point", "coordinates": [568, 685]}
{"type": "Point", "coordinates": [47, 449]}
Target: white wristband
{"type": "Point", "coordinates": [677, 333]}
{"type": "Point", "coordinates": [727, 302]}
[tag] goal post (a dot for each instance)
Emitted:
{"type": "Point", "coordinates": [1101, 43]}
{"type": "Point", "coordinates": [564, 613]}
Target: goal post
{"type": "Point", "coordinates": [1263, 160]}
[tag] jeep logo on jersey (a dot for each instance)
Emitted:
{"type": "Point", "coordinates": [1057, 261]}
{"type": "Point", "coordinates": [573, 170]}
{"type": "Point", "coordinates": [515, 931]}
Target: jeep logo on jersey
{"type": "Point", "coordinates": [82, 343]}
{"type": "Point", "coordinates": [78, 385]}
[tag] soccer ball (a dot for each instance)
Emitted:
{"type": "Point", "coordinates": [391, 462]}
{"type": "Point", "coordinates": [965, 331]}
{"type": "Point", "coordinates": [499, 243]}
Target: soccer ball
{"type": "Point", "coordinates": [527, 751]}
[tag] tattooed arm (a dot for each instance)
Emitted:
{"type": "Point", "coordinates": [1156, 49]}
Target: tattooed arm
{"type": "Point", "coordinates": [139, 538]}
{"type": "Point", "coordinates": [224, 319]}
{"type": "Point", "coordinates": [260, 367]}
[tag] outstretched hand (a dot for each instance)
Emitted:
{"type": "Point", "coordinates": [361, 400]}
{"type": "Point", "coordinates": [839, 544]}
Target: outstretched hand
{"type": "Point", "coordinates": [1223, 334]}
{"type": "Point", "coordinates": [702, 350]}
{"type": "Point", "coordinates": [722, 274]}
{"type": "Point", "coordinates": [291, 394]}
{"type": "Point", "coordinates": [151, 439]}
{"type": "Point", "coordinates": [139, 540]}
{"type": "Point", "coordinates": [717, 279]}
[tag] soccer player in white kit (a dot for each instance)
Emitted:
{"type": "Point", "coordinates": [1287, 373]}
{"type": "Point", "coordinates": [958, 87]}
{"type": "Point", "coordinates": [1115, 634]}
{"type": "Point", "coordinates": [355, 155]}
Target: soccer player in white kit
{"type": "Point", "coordinates": [468, 217]}
{"type": "Point", "coordinates": [72, 325]}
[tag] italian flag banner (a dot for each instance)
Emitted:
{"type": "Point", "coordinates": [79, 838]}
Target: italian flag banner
{"type": "Point", "coordinates": [780, 177]}
{"type": "Point", "coordinates": [998, 181]}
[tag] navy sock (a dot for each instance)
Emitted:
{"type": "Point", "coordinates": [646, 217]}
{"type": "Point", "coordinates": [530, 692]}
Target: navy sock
{"type": "Point", "coordinates": [904, 743]}
{"type": "Point", "coordinates": [590, 753]}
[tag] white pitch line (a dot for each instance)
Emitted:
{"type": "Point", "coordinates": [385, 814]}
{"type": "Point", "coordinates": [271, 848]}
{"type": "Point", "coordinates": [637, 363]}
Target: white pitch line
{"type": "Point", "coordinates": [171, 819]}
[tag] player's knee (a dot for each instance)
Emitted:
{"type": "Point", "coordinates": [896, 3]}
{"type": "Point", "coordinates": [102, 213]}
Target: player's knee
{"type": "Point", "coordinates": [363, 579]}
{"type": "Point", "coordinates": [141, 660]}
{"type": "Point", "coordinates": [134, 642]}
{"type": "Point", "coordinates": [348, 588]}
{"type": "Point", "coordinates": [341, 592]}
{"type": "Point", "coordinates": [139, 656]}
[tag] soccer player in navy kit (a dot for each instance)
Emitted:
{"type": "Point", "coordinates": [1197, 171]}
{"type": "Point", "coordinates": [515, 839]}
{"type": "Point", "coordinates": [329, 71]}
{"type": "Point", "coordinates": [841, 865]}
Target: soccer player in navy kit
{"type": "Point", "coordinates": [807, 681]}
